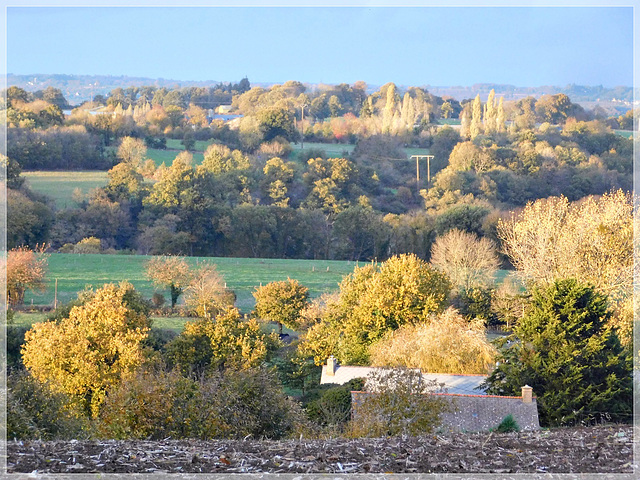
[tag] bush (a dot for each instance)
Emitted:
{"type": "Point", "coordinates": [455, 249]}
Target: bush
{"type": "Point", "coordinates": [476, 302]}
{"type": "Point", "coordinates": [233, 404]}
{"type": "Point", "coordinates": [333, 407]}
{"type": "Point", "coordinates": [88, 245]}
{"type": "Point", "coordinates": [308, 153]}
{"type": "Point", "coordinates": [399, 404]}
{"type": "Point", "coordinates": [154, 142]}
{"type": "Point", "coordinates": [447, 343]}
{"type": "Point", "coordinates": [36, 412]}
{"type": "Point", "coordinates": [158, 300]}
{"type": "Point", "coordinates": [15, 339]}
{"type": "Point", "coordinates": [279, 147]}
{"type": "Point", "coordinates": [507, 425]}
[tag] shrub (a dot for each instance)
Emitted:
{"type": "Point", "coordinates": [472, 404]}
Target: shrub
{"type": "Point", "coordinates": [448, 343]}
{"type": "Point", "coordinates": [399, 404]}
{"type": "Point", "coordinates": [507, 425]}
{"type": "Point", "coordinates": [279, 147]}
{"type": "Point", "coordinates": [146, 407]}
{"type": "Point", "coordinates": [476, 302]}
{"type": "Point", "coordinates": [308, 153]}
{"type": "Point", "coordinates": [88, 245]}
{"type": "Point", "coordinates": [233, 404]}
{"type": "Point", "coordinates": [158, 300]}
{"type": "Point", "coordinates": [333, 407]}
{"type": "Point", "coordinates": [15, 339]}
{"type": "Point", "coordinates": [34, 411]}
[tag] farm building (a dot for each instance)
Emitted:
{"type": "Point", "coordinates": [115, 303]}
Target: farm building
{"type": "Point", "coordinates": [474, 410]}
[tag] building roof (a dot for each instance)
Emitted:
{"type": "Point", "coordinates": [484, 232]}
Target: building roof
{"type": "Point", "coordinates": [457, 384]}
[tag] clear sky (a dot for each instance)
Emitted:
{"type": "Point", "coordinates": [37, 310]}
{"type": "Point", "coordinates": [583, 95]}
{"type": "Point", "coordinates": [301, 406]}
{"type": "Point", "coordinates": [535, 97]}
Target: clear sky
{"type": "Point", "coordinates": [439, 46]}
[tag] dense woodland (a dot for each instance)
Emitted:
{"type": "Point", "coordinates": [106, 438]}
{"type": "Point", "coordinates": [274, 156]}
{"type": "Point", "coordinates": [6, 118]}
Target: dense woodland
{"type": "Point", "coordinates": [538, 185]}
{"type": "Point", "coordinates": [251, 196]}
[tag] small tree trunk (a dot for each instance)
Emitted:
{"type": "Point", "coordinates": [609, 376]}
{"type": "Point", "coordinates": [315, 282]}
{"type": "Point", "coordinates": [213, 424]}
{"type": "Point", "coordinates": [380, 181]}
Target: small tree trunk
{"type": "Point", "coordinates": [175, 293]}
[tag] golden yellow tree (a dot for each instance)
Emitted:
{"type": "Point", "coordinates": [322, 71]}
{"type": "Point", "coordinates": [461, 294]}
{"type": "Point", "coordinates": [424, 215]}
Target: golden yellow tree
{"type": "Point", "coordinates": [132, 150]}
{"type": "Point", "coordinates": [590, 240]}
{"type": "Point", "coordinates": [448, 343]}
{"type": "Point", "coordinates": [466, 259]}
{"type": "Point", "coordinates": [207, 293]}
{"type": "Point", "coordinates": [97, 347]}
{"type": "Point", "coordinates": [281, 302]}
{"type": "Point", "coordinates": [374, 300]}
{"type": "Point", "coordinates": [224, 341]}
{"type": "Point", "coordinates": [171, 272]}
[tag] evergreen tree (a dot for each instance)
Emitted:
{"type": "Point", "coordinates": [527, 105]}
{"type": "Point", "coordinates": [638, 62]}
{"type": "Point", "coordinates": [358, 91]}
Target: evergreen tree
{"type": "Point", "coordinates": [564, 349]}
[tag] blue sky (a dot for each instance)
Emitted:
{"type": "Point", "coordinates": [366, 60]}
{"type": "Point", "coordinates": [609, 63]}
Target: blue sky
{"type": "Point", "coordinates": [522, 46]}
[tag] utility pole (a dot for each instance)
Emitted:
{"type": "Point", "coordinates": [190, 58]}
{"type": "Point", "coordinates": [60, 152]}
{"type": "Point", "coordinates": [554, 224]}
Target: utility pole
{"type": "Point", "coordinates": [418, 158]}
{"type": "Point", "coordinates": [302, 126]}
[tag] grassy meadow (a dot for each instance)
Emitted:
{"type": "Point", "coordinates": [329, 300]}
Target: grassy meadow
{"type": "Point", "coordinates": [175, 324]}
{"type": "Point", "coordinates": [624, 133]}
{"type": "Point", "coordinates": [333, 150]}
{"type": "Point", "coordinates": [167, 156]}
{"type": "Point", "coordinates": [75, 272]}
{"type": "Point", "coordinates": [336, 150]}
{"type": "Point", "coordinates": [61, 185]}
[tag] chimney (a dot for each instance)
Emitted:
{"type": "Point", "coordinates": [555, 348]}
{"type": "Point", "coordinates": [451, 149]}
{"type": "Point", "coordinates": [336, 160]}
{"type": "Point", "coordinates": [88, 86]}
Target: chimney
{"type": "Point", "coordinates": [527, 394]}
{"type": "Point", "coordinates": [332, 364]}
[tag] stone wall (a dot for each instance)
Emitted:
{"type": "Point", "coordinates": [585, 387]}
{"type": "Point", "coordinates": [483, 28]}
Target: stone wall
{"type": "Point", "coordinates": [476, 413]}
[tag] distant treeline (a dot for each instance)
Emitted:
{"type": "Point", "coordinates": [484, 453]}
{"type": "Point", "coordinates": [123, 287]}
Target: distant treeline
{"type": "Point", "coordinates": [84, 87]}
{"type": "Point", "coordinates": [252, 196]}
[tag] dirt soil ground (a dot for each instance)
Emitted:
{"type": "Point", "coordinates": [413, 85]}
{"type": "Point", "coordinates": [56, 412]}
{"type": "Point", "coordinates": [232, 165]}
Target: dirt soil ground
{"type": "Point", "coordinates": [602, 449]}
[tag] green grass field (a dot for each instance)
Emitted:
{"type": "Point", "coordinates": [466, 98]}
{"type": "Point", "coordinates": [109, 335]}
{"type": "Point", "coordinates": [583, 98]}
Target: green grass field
{"type": "Point", "coordinates": [167, 156]}
{"type": "Point", "coordinates": [624, 133]}
{"type": "Point", "coordinates": [333, 150]}
{"type": "Point", "coordinates": [336, 150]}
{"type": "Point", "coordinates": [75, 272]}
{"type": "Point", "coordinates": [60, 185]}
{"type": "Point", "coordinates": [175, 324]}
{"type": "Point", "coordinates": [242, 275]}
{"type": "Point", "coordinates": [201, 145]}
{"type": "Point", "coordinates": [449, 121]}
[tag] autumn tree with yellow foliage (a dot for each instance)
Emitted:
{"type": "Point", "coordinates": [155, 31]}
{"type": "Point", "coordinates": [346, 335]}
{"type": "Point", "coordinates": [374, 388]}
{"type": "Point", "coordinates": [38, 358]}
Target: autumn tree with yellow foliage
{"type": "Point", "coordinates": [170, 272]}
{"type": "Point", "coordinates": [374, 300]}
{"type": "Point", "coordinates": [226, 340]}
{"type": "Point", "coordinates": [98, 346]}
{"type": "Point", "coordinates": [207, 294]}
{"type": "Point", "coordinates": [281, 302]}
{"type": "Point", "coordinates": [448, 343]}
{"type": "Point", "coordinates": [590, 240]}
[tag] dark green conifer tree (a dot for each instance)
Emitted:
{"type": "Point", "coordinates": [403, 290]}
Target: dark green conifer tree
{"type": "Point", "coordinates": [565, 349]}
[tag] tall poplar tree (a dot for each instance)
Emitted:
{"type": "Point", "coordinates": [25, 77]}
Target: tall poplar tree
{"type": "Point", "coordinates": [500, 117]}
{"type": "Point", "coordinates": [389, 108]}
{"type": "Point", "coordinates": [476, 118]}
{"type": "Point", "coordinates": [490, 115]}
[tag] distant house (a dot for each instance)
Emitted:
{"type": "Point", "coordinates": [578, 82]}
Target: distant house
{"type": "Point", "coordinates": [474, 410]}
{"type": "Point", "coordinates": [223, 109]}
